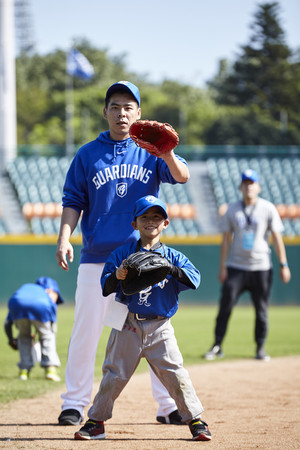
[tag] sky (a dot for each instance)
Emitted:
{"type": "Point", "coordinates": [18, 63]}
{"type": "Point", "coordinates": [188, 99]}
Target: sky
{"type": "Point", "coordinates": [162, 39]}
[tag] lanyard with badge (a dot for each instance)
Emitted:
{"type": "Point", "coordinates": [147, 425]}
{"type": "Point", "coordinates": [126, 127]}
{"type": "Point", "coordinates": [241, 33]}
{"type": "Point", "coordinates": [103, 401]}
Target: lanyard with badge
{"type": "Point", "coordinates": [249, 235]}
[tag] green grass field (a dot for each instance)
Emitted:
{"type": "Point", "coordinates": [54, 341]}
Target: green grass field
{"type": "Point", "coordinates": [194, 331]}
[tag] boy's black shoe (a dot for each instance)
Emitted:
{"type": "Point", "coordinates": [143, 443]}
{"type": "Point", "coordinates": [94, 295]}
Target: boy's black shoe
{"type": "Point", "coordinates": [91, 430]}
{"type": "Point", "coordinates": [70, 417]}
{"type": "Point", "coordinates": [199, 430]}
{"type": "Point", "coordinates": [172, 419]}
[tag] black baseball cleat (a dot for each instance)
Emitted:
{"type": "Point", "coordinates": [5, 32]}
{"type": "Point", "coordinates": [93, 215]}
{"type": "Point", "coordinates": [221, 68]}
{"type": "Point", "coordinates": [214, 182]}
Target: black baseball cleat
{"type": "Point", "coordinates": [199, 430]}
{"type": "Point", "coordinates": [90, 430]}
{"type": "Point", "coordinates": [70, 417]}
{"type": "Point", "coordinates": [172, 419]}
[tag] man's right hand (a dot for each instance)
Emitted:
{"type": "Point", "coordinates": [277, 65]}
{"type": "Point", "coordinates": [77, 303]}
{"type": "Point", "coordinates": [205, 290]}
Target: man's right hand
{"type": "Point", "coordinates": [222, 274]}
{"type": "Point", "coordinates": [64, 251]}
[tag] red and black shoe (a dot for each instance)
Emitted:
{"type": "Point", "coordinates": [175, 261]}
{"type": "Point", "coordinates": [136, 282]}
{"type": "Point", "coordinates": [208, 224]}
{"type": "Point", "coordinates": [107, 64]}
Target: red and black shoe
{"type": "Point", "coordinates": [200, 430]}
{"type": "Point", "coordinates": [91, 430]}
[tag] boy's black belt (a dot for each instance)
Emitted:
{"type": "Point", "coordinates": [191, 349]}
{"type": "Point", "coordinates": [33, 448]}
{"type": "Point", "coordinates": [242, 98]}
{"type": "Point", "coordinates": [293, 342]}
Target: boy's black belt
{"type": "Point", "coordinates": [147, 316]}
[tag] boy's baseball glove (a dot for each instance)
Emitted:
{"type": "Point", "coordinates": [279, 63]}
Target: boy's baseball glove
{"type": "Point", "coordinates": [155, 137]}
{"type": "Point", "coordinates": [144, 269]}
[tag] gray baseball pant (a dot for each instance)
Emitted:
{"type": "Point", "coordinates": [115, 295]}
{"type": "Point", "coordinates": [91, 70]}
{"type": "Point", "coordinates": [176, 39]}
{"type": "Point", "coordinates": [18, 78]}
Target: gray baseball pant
{"type": "Point", "coordinates": [155, 341]}
{"type": "Point", "coordinates": [47, 337]}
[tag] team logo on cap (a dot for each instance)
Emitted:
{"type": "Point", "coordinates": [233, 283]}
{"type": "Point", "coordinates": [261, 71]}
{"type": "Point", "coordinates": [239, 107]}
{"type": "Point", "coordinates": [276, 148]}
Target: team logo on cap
{"type": "Point", "coordinates": [121, 189]}
{"type": "Point", "coordinates": [150, 199]}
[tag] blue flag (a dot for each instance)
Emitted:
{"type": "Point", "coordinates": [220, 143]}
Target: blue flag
{"type": "Point", "coordinates": [79, 66]}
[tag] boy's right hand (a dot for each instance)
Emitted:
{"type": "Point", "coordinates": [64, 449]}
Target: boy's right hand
{"type": "Point", "coordinates": [121, 273]}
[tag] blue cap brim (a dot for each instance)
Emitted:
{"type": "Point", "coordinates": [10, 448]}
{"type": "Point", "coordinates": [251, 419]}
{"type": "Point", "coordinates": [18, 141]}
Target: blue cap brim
{"type": "Point", "coordinates": [125, 86]}
{"type": "Point", "coordinates": [49, 283]}
{"type": "Point", "coordinates": [140, 213]}
{"type": "Point", "coordinates": [143, 204]}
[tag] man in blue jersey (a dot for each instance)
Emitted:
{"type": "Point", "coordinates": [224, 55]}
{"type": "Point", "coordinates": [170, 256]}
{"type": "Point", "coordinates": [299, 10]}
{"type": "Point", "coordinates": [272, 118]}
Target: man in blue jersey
{"type": "Point", "coordinates": [147, 331]}
{"type": "Point", "coordinates": [105, 179]}
{"type": "Point", "coordinates": [32, 308]}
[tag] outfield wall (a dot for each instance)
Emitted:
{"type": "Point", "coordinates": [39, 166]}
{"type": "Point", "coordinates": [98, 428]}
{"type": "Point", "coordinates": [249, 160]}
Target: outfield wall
{"type": "Point", "coordinates": [23, 259]}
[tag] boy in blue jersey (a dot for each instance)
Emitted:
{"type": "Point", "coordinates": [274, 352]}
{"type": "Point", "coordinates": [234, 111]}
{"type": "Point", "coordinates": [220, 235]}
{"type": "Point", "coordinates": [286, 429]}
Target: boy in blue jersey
{"type": "Point", "coordinates": [105, 179]}
{"type": "Point", "coordinates": [147, 331]}
{"type": "Point", "coordinates": [33, 307]}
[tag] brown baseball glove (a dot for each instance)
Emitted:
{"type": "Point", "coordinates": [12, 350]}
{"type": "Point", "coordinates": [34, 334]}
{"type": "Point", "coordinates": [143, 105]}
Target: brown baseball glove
{"type": "Point", "coordinates": [155, 137]}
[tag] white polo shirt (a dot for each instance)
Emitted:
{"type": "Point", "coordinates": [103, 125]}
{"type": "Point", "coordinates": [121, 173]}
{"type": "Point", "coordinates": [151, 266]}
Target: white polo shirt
{"type": "Point", "coordinates": [251, 227]}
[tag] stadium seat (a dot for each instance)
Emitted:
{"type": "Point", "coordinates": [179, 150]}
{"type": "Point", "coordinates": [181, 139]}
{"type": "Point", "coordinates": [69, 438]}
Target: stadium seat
{"type": "Point", "coordinates": [178, 227]}
{"type": "Point", "coordinates": [36, 226]}
{"type": "Point", "coordinates": [180, 209]}
{"type": "Point", "coordinates": [279, 180]}
{"type": "Point", "coordinates": [2, 228]}
{"type": "Point", "coordinates": [40, 180]}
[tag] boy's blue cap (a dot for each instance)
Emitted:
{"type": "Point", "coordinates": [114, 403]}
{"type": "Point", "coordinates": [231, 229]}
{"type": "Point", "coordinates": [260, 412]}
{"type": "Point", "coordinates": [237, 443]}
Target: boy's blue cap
{"type": "Point", "coordinates": [143, 204]}
{"type": "Point", "coordinates": [124, 86]}
{"type": "Point", "coordinates": [49, 283]}
{"type": "Point", "coordinates": [250, 174]}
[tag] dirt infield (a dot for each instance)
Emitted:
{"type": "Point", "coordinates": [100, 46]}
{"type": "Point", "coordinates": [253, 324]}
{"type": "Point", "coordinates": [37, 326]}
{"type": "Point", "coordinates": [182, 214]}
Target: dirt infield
{"type": "Point", "coordinates": [249, 405]}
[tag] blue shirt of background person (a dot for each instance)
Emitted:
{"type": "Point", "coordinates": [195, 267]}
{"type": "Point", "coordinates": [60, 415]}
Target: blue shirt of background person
{"type": "Point", "coordinates": [31, 301]}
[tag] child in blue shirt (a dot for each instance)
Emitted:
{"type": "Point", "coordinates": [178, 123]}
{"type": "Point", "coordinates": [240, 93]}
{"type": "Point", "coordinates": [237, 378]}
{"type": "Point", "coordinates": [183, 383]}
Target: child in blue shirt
{"type": "Point", "coordinates": [33, 308]}
{"type": "Point", "coordinates": [147, 331]}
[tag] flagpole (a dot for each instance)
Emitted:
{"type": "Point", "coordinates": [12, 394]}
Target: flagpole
{"type": "Point", "coordinates": [8, 116]}
{"type": "Point", "coordinates": [69, 114]}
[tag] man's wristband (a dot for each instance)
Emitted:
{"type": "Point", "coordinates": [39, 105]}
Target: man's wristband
{"type": "Point", "coordinates": [282, 265]}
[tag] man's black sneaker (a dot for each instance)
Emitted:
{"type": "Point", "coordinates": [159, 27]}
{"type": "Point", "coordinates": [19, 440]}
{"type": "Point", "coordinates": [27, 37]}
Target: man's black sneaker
{"type": "Point", "coordinates": [91, 430]}
{"type": "Point", "coordinates": [70, 417]}
{"type": "Point", "coordinates": [199, 430]}
{"type": "Point", "coordinates": [172, 419]}
{"type": "Point", "coordinates": [262, 355]}
{"type": "Point", "coordinates": [213, 353]}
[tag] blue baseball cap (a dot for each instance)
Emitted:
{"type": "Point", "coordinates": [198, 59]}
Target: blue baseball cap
{"type": "Point", "coordinates": [49, 283]}
{"type": "Point", "coordinates": [143, 204]}
{"type": "Point", "coordinates": [124, 86]}
{"type": "Point", "coordinates": [250, 174]}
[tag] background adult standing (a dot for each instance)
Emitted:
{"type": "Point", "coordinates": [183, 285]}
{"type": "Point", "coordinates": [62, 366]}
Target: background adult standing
{"type": "Point", "coordinates": [104, 180]}
{"type": "Point", "coordinates": [246, 227]}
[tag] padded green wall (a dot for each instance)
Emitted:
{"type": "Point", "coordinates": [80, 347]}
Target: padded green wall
{"type": "Point", "coordinates": [21, 263]}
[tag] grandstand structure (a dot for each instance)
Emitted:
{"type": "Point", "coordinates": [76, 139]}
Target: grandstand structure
{"type": "Point", "coordinates": [32, 188]}
{"type": "Point", "coordinates": [279, 180]}
{"type": "Point", "coordinates": [38, 184]}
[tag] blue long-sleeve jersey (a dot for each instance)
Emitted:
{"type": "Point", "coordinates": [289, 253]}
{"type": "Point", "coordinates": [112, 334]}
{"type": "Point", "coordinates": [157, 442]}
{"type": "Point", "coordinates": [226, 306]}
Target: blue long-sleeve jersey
{"type": "Point", "coordinates": [162, 298]}
{"type": "Point", "coordinates": [105, 179]}
{"type": "Point", "coordinates": [32, 302]}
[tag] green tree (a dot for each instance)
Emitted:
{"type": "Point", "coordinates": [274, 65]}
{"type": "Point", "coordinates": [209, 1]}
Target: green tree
{"type": "Point", "coordinates": [41, 94]}
{"type": "Point", "coordinates": [239, 126]}
{"type": "Point", "coordinates": [262, 75]}
{"type": "Point", "coordinates": [264, 79]}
